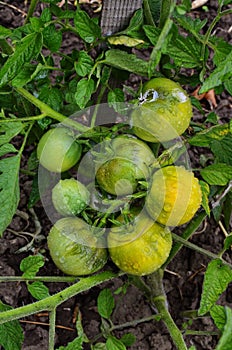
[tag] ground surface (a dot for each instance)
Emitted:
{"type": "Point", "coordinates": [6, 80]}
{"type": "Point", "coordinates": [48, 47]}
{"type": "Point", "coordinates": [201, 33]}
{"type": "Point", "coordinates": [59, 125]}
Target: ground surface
{"type": "Point", "coordinates": [183, 279]}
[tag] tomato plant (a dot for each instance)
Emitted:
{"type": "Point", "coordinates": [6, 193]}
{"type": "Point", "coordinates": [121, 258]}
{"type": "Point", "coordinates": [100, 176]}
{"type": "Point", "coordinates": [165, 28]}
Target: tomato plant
{"type": "Point", "coordinates": [135, 109]}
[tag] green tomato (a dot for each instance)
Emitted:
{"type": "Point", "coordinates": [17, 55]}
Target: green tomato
{"type": "Point", "coordinates": [174, 197]}
{"type": "Point", "coordinates": [140, 247]}
{"type": "Point", "coordinates": [57, 150]}
{"type": "Point", "coordinates": [70, 197]}
{"type": "Point", "coordinates": [165, 113]}
{"type": "Point", "coordinates": [74, 248]}
{"type": "Point", "coordinates": [129, 161]}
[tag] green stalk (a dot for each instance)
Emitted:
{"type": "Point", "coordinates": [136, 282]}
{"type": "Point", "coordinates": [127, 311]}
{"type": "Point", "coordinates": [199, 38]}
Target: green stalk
{"type": "Point", "coordinates": [53, 301]}
{"type": "Point", "coordinates": [5, 47]}
{"type": "Point", "coordinates": [53, 279]}
{"type": "Point", "coordinates": [31, 10]}
{"type": "Point", "coordinates": [155, 282]}
{"type": "Point", "coordinates": [148, 14]}
{"type": "Point", "coordinates": [52, 329]}
{"type": "Point", "coordinates": [47, 110]}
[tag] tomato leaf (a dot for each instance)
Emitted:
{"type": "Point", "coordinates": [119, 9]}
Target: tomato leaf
{"type": "Point", "coordinates": [52, 38]}
{"type": "Point", "coordinates": [84, 64]}
{"type": "Point", "coordinates": [88, 30]}
{"type": "Point", "coordinates": [113, 343]}
{"type": "Point", "coordinates": [205, 193]}
{"type": "Point", "coordinates": [116, 99]}
{"type": "Point", "coordinates": [217, 277]}
{"type": "Point", "coordinates": [9, 130]}
{"type": "Point", "coordinates": [222, 73]}
{"type": "Point", "coordinates": [217, 174]}
{"type": "Point", "coordinates": [4, 32]}
{"type": "Point", "coordinates": [226, 338]}
{"type": "Point", "coordinates": [222, 149]}
{"type": "Point", "coordinates": [31, 265]}
{"type": "Point", "coordinates": [217, 312]}
{"type": "Point", "coordinates": [38, 290]}
{"type": "Point", "coordinates": [52, 96]}
{"type": "Point", "coordinates": [9, 186]}
{"type": "Point", "coordinates": [192, 25]}
{"type": "Point", "coordinates": [128, 339]}
{"type": "Point", "coordinates": [11, 333]}
{"type": "Point", "coordinates": [27, 49]}
{"type": "Point", "coordinates": [105, 303]}
{"type": "Point", "coordinates": [85, 88]}
{"type": "Point", "coordinates": [125, 61]}
{"type": "Point", "coordinates": [206, 137]}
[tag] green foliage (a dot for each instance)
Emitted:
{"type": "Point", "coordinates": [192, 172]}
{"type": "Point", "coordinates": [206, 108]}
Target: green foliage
{"type": "Point", "coordinates": [105, 303]}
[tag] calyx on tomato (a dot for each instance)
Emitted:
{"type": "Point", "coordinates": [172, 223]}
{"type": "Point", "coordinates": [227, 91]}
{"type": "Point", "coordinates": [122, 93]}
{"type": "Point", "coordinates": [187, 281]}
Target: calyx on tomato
{"type": "Point", "coordinates": [128, 161]}
{"type": "Point", "coordinates": [164, 113]}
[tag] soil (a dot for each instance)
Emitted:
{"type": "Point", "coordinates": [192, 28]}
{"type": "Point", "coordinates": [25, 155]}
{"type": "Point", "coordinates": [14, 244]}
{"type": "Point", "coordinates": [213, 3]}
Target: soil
{"type": "Point", "coordinates": [183, 277]}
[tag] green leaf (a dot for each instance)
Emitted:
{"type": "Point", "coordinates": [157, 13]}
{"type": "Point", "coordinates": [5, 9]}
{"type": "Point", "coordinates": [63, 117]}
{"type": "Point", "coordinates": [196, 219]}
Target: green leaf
{"type": "Point", "coordinates": [105, 303]}
{"type": "Point", "coordinates": [217, 174]}
{"type": "Point", "coordinates": [88, 30]}
{"type": "Point", "coordinates": [222, 49]}
{"type": "Point", "coordinates": [152, 33]}
{"type": "Point", "coordinates": [4, 32]}
{"type": "Point", "coordinates": [52, 38]}
{"type": "Point", "coordinates": [113, 343]}
{"type": "Point", "coordinates": [9, 189]}
{"type": "Point", "coordinates": [217, 312]}
{"type": "Point", "coordinates": [11, 333]}
{"type": "Point", "coordinates": [76, 344]}
{"type": "Point", "coordinates": [38, 290]}
{"type": "Point", "coordinates": [222, 150]}
{"type": "Point", "coordinates": [35, 193]}
{"type": "Point", "coordinates": [99, 346]}
{"type": "Point", "coordinates": [192, 25]}
{"type": "Point", "coordinates": [9, 130]}
{"type": "Point", "coordinates": [128, 339]}
{"type": "Point", "coordinates": [228, 86]}
{"type": "Point", "coordinates": [124, 40]}
{"type": "Point", "coordinates": [51, 96]}
{"type": "Point", "coordinates": [31, 265]}
{"type": "Point", "coordinates": [125, 61]}
{"type": "Point", "coordinates": [135, 24]}
{"type": "Point", "coordinates": [219, 75]}
{"type": "Point", "coordinates": [205, 194]}
{"type": "Point", "coordinates": [204, 138]}
{"type": "Point", "coordinates": [226, 338]}
{"type": "Point", "coordinates": [84, 64]}
{"type": "Point", "coordinates": [185, 51]}
{"type": "Point", "coordinates": [115, 99]}
{"type": "Point", "coordinates": [217, 277]}
{"type": "Point", "coordinates": [85, 88]}
{"type": "Point", "coordinates": [26, 50]}
{"type": "Point", "coordinates": [152, 10]}
{"type": "Point", "coordinates": [227, 242]}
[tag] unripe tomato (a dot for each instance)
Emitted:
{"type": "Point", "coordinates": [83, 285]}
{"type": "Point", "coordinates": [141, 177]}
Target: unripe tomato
{"type": "Point", "coordinates": [174, 197]}
{"type": "Point", "coordinates": [70, 197]}
{"type": "Point", "coordinates": [130, 160]}
{"type": "Point", "coordinates": [74, 248]}
{"type": "Point", "coordinates": [165, 112]}
{"type": "Point", "coordinates": [140, 247]}
{"type": "Point", "coordinates": [57, 150]}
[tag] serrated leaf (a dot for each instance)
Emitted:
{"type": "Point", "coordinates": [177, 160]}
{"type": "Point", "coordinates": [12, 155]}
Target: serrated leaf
{"type": "Point", "coordinates": [134, 27]}
{"type": "Point", "coordinates": [9, 189]}
{"type": "Point", "coordinates": [217, 312]}
{"type": "Point", "coordinates": [25, 51]}
{"type": "Point", "coordinates": [228, 85]}
{"type": "Point", "coordinates": [222, 149]}
{"type": "Point", "coordinates": [84, 64]}
{"type": "Point", "coordinates": [185, 51]}
{"type": "Point", "coordinates": [52, 38]}
{"type": "Point", "coordinates": [113, 343]}
{"type": "Point", "coordinates": [217, 174]}
{"type": "Point", "coordinates": [192, 25]}
{"type": "Point", "coordinates": [51, 96]}
{"type": "Point", "coordinates": [124, 40]}
{"type": "Point", "coordinates": [115, 99]}
{"type": "Point", "coordinates": [204, 138]}
{"type": "Point", "coordinates": [31, 265]}
{"type": "Point", "coordinates": [219, 75]}
{"type": "Point", "coordinates": [76, 344]}
{"type": "Point", "coordinates": [152, 9]}
{"type": "Point", "coordinates": [226, 338]}
{"type": "Point", "coordinates": [222, 48]}
{"type": "Point", "coordinates": [85, 88]}
{"type": "Point", "coordinates": [105, 303]}
{"type": "Point", "coordinates": [216, 279]}
{"type": "Point", "coordinates": [125, 61]}
{"type": "Point", "coordinates": [9, 130]}
{"type": "Point", "coordinates": [205, 194]}
{"type": "Point", "coordinates": [152, 33]}
{"type": "Point", "coordinates": [38, 290]}
{"type": "Point", "coordinates": [11, 333]}
{"type": "Point", "coordinates": [87, 28]}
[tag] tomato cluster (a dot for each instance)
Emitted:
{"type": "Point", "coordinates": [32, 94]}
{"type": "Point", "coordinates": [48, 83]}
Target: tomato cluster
{"type": "Point", "coordinates": [145, 200]}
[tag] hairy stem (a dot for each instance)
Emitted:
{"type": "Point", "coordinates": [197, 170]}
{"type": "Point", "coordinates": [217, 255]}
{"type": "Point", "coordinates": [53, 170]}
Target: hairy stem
{"type": "Point", "coordinates": [52, 329]}
{"type": "Point", "coordinates": [53, 301]}
{"type": "Point", "coordinates": [31, 10]}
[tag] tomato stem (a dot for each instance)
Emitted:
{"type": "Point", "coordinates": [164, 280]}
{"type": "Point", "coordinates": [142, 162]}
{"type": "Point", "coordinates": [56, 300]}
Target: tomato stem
{"type": "Point", "coordinates": [52, 329]}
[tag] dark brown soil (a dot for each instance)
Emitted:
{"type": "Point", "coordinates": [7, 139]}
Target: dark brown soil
{"type": "Point", "coordinates": [183, 278]}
